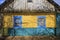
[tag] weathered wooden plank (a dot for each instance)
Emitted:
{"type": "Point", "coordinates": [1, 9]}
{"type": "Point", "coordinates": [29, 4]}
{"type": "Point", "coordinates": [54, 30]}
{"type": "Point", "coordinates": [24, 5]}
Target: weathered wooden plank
{"type": "Point", "coordinates": [34, 5]}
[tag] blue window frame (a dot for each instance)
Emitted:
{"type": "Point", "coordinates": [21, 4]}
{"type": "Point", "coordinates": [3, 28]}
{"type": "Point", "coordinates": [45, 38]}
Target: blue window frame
{"type": "Point", "coordinates": [17, 21]}
{"type": "Point", "coordinates": [42, 21]}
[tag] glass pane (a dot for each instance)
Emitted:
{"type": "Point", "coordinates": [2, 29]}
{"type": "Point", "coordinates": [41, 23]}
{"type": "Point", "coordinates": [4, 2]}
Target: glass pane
{"type": "Point", "coordinates": [41, 21]}
{"type": "Point", "coordinates": [17, 21]}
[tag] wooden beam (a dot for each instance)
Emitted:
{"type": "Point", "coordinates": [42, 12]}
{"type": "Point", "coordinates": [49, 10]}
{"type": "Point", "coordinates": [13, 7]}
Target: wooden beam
{"type": "Point", "coordinates": [5, 4]}
{"type": "Point", "coordinates": [55, 4]}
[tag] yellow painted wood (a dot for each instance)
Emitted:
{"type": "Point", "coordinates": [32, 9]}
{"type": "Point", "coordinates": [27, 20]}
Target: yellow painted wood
{"type": "Point", "coordinates": [50, 21]}
{"type": "Point", "coordinates": [29, 21]}
{"type": "Point", "coordinates": [8, 21]}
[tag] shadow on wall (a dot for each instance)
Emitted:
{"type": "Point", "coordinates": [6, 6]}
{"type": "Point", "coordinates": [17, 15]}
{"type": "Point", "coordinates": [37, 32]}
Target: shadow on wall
{"type": "Point", "coordinates": [58, 25]}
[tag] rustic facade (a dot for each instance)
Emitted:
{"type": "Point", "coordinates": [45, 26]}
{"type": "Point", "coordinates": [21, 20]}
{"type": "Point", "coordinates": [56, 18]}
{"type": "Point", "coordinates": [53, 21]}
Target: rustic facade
{"type": "Point", "coordinates": [31, 5]}
{"type": "Point", "coordinates": [35, 18]}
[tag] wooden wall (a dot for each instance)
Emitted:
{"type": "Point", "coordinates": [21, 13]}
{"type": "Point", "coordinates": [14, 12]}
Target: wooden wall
{"type": "Point", "coordinates": [32, 19]}
{"type": "Point", "coordinates": [34, 5]}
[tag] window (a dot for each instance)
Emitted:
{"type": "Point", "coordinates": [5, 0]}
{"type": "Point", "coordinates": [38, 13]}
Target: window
{"type": "Point", "coordinates": [17, 21]}
{"type": "Point", "coordinates": [41, 21]}
{"type": "Point", "coordinates": [29, 0]}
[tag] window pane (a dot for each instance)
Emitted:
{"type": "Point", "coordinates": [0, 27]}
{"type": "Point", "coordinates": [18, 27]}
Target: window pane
{"type": "Point", "coordinates": [41, 21]}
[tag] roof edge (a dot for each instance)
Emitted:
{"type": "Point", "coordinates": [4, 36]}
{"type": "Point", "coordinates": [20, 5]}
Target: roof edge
{"type": "Point", "coordinates": [5, 4]}
{"type": "Point", "coordinates": [55, 4]}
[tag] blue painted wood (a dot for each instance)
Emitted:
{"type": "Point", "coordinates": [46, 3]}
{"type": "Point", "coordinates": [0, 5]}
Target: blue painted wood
{"type": "Point", "coordinates": [58, 25]}
{"type": "Point", "coordinates": [17, 21]}
{"type": "Point", "coordinates": [40, 31]}
{"type": "Point", "coordinates": [42, 17]}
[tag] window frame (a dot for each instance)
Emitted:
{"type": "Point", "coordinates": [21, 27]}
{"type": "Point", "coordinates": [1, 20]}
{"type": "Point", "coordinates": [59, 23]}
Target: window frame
{"type": "Point", "coordinates": [43, 17]}
{"type": "Point", "coordinates": [14, 21]}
